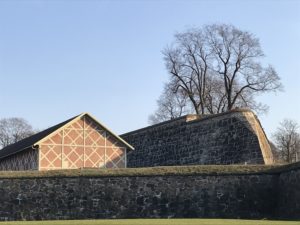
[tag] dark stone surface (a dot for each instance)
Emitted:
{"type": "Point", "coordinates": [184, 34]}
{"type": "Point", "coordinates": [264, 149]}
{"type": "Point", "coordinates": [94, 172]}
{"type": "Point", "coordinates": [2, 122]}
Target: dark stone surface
{"type": "Point", "coordinates": [230, 196]}
{"type": "Point", "coordinates": [258, 195]}
{"type": "Point", "coordinates": [289, 194]}
{"type": "Point", "coordinates": [225, 139]}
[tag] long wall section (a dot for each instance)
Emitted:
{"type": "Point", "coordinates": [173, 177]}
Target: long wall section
{"type": "Point", "coordinates": [167, 194]}
{"type": "Point", "coordinates": [137, 197]}
{"type": "Point", "coordinates": [234, 137]}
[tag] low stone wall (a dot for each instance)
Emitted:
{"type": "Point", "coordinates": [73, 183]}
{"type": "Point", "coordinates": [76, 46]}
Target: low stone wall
{"type": "Point", "coordinates": [234, 137]}
{"type": "Point", "coordinates": [253, 192]}
{"type": "Point", "coordinates": [248, 196]}
{"type": "Point", "coordinates": [289, 193]}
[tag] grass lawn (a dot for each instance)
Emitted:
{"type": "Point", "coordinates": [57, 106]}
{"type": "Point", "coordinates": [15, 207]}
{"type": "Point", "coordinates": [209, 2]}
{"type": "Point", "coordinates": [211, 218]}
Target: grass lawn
{"type": "Point", "coordinates": [155, 222]}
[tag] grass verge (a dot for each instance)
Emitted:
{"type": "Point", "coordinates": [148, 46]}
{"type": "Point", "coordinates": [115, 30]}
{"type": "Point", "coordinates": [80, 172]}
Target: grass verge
{"type": "Point", "coordinates": [209, 170]}
{"type": "Point", "coordinates": [154, 222]}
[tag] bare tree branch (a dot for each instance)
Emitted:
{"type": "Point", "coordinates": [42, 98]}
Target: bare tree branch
{"type": "Point", "coordinates": [13, 130]}
{"type": "Point", "coordinates": [287, 140]}
{"type": "Point", "coordinates": [218, 67]}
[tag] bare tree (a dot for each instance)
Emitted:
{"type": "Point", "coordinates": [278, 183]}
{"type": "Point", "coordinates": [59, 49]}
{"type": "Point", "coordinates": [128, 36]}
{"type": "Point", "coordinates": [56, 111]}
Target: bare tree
{"type": "Point", "coordinates": [170, 106]}
{"type": "Point", "coordinates": [277, 157]}
{"type": "Point", "coordinates": [287, 140]}
{"type": "Point", "coordinates": [218, 68]}
{"type": "Point", "coordinates": [13, 130]}
{"type": "Point", "coordinates": [187, 62]}
{"type": "Point", "coordinates": [237, 57]}
{"type": "Point", "coordinates": [215, 99]}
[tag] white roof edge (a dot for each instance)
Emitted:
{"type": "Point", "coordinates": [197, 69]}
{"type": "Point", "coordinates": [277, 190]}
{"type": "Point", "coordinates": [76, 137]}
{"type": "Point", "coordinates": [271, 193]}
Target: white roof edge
{"type": "Point", "coordinates": [97, 121]}
{"type": "Point", "coordinates": [115, 135]}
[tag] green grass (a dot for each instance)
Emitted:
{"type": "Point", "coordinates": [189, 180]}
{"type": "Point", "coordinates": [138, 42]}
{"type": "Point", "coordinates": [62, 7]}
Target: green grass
{"type": "Point", "coordinates": [151, 171]}
{"type": "Point", "coordinates": [209, 170]}
{"type": "Point", "coordinates": [155, 222]}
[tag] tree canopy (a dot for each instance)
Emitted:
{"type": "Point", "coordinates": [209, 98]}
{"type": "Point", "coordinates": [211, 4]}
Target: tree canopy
{"type": "Point", "coordinates": [217, 68]}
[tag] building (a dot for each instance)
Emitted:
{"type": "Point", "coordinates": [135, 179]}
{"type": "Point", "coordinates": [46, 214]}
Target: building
{"type": "Point", "coordinates": [234, 137]}
{"type": "Point", "coordinates": [80, 142]}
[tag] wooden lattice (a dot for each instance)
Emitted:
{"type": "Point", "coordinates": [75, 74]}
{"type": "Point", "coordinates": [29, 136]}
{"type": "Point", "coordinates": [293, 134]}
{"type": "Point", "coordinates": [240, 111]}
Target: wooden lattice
{"type": "Point", "coordinates": [83, 143]}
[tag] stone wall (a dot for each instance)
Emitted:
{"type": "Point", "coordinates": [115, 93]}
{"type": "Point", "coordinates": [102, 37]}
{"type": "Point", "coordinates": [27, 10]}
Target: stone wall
{"type": "Point", "coordinates": [229, 138]}
{"type": "Point", "coordinates": [271, 194]}
{"type": "Point", "coordinates": [243, 196]}
{"type": "Point", "coordinates": [289, 193]}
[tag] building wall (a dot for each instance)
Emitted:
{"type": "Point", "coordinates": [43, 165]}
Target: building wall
{"type": "Point", "coordinates": [229, 138]}
{"type": "Point", "coordinates": [82, 144]}
{"type": "Point", "coordinates": [25, 160]}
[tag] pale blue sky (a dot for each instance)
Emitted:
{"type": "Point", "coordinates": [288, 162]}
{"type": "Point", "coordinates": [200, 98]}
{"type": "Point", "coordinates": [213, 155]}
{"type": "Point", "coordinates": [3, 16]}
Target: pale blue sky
{"type": "Point", "coordinates": [61, 58]}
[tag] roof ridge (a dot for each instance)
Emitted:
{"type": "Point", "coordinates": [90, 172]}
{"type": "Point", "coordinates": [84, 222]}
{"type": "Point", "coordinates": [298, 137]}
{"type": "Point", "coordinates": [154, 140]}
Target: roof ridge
{"type": "Point", "coordinates": [31, 140]}
{"type": "Point", "coordinates": [37, 138]}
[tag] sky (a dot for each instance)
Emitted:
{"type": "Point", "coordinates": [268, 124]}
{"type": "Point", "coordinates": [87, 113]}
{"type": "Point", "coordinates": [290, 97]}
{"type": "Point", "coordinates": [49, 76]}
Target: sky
{"type": "Point", "coordinates": [61, 58]}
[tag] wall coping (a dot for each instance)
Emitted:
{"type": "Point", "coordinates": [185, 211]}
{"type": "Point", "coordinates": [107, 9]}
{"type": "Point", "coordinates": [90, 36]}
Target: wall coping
{"type": "Point", "coordinates": [185, 118]}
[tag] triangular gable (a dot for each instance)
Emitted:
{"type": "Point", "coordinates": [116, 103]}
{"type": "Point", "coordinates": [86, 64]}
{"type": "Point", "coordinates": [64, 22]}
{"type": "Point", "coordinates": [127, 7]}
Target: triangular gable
{"type": "Point", "coordinates": [73, 123]}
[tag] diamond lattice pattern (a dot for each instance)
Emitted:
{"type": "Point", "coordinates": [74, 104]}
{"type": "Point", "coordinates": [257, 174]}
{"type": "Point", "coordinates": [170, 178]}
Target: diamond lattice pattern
{"type": "Point", "coordinates": [82, 144]}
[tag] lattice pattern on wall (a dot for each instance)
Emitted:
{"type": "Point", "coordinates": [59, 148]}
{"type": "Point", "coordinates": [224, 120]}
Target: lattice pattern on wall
{"type": "Point", "coordinates": [115, 153]}
{"type": "Point", "coordinates": [26, 160]}
{"type": "Point", "coordinates": [83, 143]}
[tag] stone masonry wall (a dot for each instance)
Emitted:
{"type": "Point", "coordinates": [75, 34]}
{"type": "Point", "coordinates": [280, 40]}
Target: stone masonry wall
{"type": "Point", "coordinates": [289, 193]}
{"type": "Point", "coordinates": [229, 138]}
{"type": "Point", "coordinates": [228, 196]}
{"type": "Point", "coordinates": [271, 194]}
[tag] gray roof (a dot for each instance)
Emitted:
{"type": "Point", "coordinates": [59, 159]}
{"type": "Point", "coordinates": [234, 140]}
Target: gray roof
{"type": "Point", "coordinates": [29, 142]}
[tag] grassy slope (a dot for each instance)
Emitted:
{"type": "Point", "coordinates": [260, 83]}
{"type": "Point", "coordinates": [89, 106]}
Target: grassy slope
{"type": "Point", "coordinates": [156, 222]}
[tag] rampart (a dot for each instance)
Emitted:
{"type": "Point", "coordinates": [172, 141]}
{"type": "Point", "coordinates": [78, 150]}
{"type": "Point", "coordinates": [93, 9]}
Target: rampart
{"type": "Point", "coordinates": [234, 137]}
{"type": "Point", "coordinates": [232, 191]}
